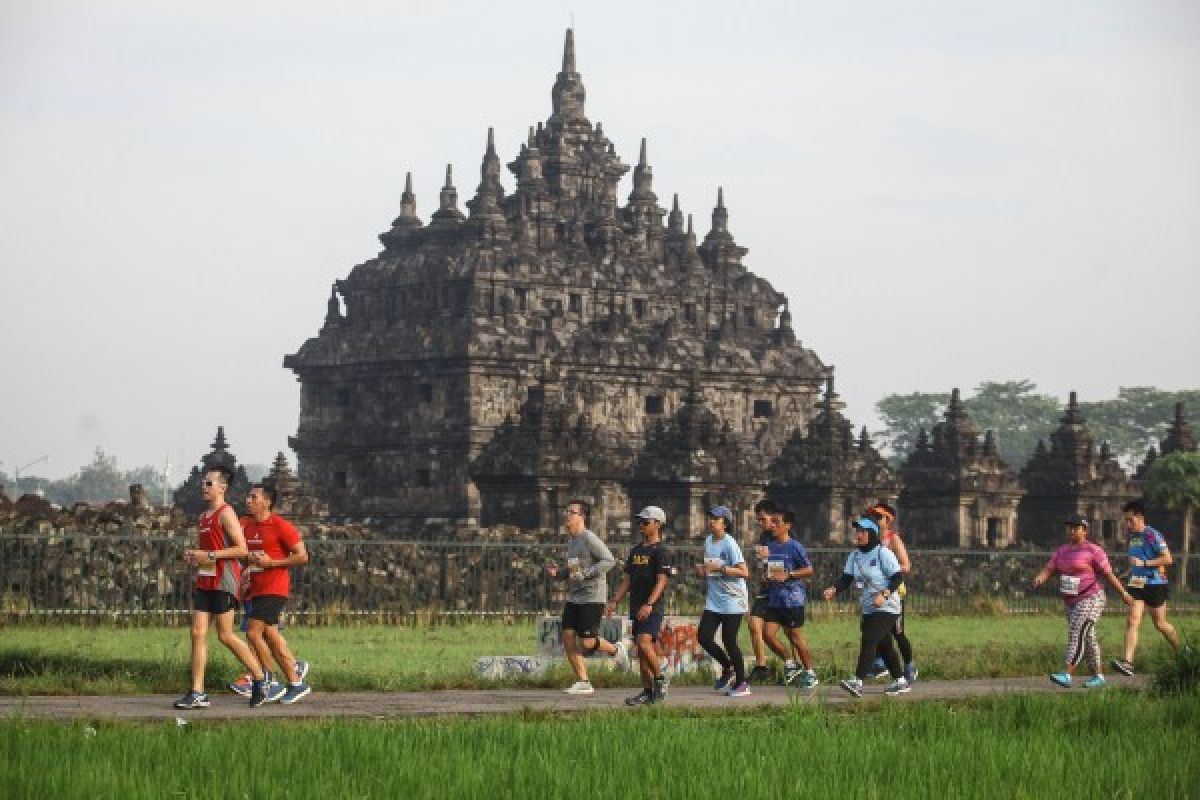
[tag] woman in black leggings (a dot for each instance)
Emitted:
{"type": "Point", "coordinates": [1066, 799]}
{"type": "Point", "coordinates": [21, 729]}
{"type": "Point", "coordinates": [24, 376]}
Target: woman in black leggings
{"type": "Point", "coordinates": [726, 601]}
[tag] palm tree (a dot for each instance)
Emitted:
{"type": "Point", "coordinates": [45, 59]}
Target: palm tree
{"type": "Point", "coordinates": [1173, 483]}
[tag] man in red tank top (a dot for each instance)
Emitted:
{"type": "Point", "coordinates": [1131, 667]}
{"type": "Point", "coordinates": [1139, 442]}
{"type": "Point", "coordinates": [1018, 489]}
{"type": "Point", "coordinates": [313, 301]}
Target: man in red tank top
{"type": "Point", "coordinates": [274, 545]}
{"type": "Point", "coordinates": [215, 595]}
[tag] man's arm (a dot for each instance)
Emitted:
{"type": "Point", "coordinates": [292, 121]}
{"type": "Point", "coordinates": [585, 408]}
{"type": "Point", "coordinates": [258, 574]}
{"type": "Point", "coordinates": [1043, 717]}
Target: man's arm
{"type": "Point", "coordinates": [233, 531]}
{"type": "Point", "coordinates": [622, 590]}
{"type": "Point", "coordinates": [901, 553]}
{"type": "Point", "coordinates": [602, 555]}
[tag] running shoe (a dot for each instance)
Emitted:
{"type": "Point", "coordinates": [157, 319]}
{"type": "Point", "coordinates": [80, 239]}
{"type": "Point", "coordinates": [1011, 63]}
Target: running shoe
{"type": "Point", "coordinates": [879, 670]}
{"type": "Point", "coordinates": [911, 672]}
{"type": "Point", "coordinates": [854, 686]}
{"type": "Point", "coordinates": [759, 674]}
{"type": "Point", "coordinates": [294, 693]}
{"type": "Point", "coordinates": [661, 687]}
{"type": "Point", "coordinates": [1123, 667]}
{"type": "Point", "coordinates": [621, 658]}
{"type": "Point", "coordinates": [242, 685]}
{"type": "Point", "coordinates": [274, 691]}
{"type": "Point", "coordinates": [790, 674]}
{"type": "Point", "coordinates": [580, 687]}
{"type": "Point", "coordinates": [808, 680]}
{"type": "Point", "coordinates": [302, 670]}
{"type": "Point", "coordinates": [898, 686]}
{"type": "Point", "coordinates": [643, 698]}
{"type": "Point", "coordinates": [741, 690]}
{"type": "Point", "coordinates": [722, 683]}
{"type": "Point", "coordinates": [193, 700]}
{"type": "Point", "coordinates": [1063, 679]}
{"type": "Point", "coordinates": [1095, 682]}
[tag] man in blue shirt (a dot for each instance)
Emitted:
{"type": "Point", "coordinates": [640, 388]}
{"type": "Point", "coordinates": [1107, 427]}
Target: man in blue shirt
{"type": "Point", "coordinates": [1148, 559]}
{"type": "Point", "coordinates": [787, 567]}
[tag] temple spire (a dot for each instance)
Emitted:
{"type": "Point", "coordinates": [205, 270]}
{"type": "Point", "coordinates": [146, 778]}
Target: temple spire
{"type": "Point", "coordinates": [568, 62]}
{"type": "Point", "coordinates": [568, 94]}
{"type": "Point", "coordinates": [448, 212]}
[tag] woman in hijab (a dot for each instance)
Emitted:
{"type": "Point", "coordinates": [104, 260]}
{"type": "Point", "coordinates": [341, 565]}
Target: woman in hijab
{"type": "Point", "coordinates": [875, 572]}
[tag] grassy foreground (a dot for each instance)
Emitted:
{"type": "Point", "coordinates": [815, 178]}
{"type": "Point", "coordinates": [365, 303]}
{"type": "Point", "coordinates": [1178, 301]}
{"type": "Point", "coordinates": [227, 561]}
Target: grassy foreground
{"type": "Point", "coordinates": [1102, 744]}
{"type": "Point", "coordinates": [101, 659]}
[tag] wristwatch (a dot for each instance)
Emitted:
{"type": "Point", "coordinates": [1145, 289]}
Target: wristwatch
{"type": "Point", "coordinates": [212, 556]}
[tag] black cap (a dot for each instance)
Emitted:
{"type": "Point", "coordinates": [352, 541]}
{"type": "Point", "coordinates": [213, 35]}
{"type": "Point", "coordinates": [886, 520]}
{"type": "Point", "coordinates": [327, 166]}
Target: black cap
{"type": "Point", "coordinates": [1077, 521]}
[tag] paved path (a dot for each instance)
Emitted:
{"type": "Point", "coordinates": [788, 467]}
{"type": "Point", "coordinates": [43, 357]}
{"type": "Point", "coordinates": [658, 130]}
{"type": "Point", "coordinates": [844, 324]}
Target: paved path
{"type": "Point", "coordinates": [496, 701]}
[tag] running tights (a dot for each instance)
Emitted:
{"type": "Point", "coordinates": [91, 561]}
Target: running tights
{"type": "Point", "coordinates": [906, 654]}
{"type": "Point", "coordinates": [877, 637]}
{"type": "Point", "coordinates": [731, 656]}
{"type": "Point", "coordinates": [1081, 631]}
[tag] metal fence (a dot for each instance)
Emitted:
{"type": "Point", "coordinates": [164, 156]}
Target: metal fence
{"type": "Point", "coordinates": [142, 576]}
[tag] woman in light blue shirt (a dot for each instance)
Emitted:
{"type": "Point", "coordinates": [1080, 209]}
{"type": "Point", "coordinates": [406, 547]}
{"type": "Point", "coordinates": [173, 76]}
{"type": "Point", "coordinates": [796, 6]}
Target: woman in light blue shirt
{"type": "Point", "coordinates": [726, 601]}
{"type": "Point", "coordinates": [874, 570]}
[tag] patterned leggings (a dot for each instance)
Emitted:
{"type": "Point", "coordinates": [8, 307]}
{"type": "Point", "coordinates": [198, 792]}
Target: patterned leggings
{"type": "Point", "coordinates": [1081, 631]}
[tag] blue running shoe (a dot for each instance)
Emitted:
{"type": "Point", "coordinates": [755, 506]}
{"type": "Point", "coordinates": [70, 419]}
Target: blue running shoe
{"type": "Point", "coordinates": [722, 683]}
{"type": "Point", "coordinates": [193, 700]}
{"type": "Point", "coordinates": [1095, 682]}
{"type": "Point", "coordinates": [274, 692]}
{"type": "Point", "coordinates": [294, 693]}
{"type": "Point", "coordinates": [1063, 679]}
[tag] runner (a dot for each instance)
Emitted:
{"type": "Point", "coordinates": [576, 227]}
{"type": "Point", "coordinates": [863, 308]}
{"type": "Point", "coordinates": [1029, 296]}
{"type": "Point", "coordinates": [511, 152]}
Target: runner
{"type": "Point", "coordinates": [588, 560]}
{"type": "Point", "coordinates": [764, 513]}
{"type": "Point", "coordinates": [645, 581]}
{"type": "Point", "coordinates": [274, 545]}
{"type": "Point", "coordinates": [787, 567]}
{"type": "Point", "coordinates": [215, 595]}
{"type": "Point", "coordinates": [1149, 558]}
{"type": "Point", "coordinates": [1076, 564]}
{"type": "Point", "coordinates": [885, 517]}
{"type": "Point", "coordinates": [874, 570]}
{"type": "Point", "coordinates": [725, 602]}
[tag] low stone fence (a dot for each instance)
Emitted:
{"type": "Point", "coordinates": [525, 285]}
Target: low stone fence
{"type": "Point", "coordinates": [81, 574]}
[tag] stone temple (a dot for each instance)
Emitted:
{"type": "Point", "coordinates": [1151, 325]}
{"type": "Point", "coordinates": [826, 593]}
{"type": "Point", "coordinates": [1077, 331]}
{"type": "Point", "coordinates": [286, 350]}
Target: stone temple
{"type": "Point", "coordinates": [551, 341]}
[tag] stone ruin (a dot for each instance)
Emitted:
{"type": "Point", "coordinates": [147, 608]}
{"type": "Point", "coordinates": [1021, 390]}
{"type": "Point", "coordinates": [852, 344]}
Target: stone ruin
{"type": "Point", "coordinates": [551, 311]}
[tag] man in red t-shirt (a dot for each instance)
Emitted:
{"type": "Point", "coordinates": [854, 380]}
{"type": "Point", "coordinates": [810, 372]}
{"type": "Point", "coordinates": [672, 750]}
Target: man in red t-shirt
{"type": "Point", "coordinates": [215, 595]}
{"type": "Point", "coordinates": [274, 545]}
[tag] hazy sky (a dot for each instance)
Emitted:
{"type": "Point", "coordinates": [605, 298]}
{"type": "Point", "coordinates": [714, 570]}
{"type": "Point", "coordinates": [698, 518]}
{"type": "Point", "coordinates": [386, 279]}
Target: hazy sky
{"type": "Point", "coordinates": [948, 192]}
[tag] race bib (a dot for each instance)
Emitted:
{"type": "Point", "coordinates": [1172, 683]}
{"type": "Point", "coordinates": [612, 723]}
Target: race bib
{"type": "Point", "coordinates": [206, 569]}
{"type": "Point", "coordinates": [777, 568]}
{"type": "Point", "coordinates": [252, 566]}
{"type": "Point", "coordinates": [713, 564]}
{"type": "Point", "coordinates": [573, 567]}
{"type": "Point", "coordinates": [1137, 582]}
{"type": "Point", "coordinates": [1068, 585]}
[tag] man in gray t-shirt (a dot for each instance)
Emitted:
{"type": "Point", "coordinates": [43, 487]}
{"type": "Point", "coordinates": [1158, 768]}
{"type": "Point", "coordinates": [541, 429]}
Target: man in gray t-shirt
{"type": "Point", "coordinates": [588, 559]}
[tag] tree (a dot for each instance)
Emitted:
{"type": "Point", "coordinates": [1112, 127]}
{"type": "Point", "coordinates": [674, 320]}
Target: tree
{"type": "Point", "coordinates": [1136, 419]}
{"type": "Point", "coordinates": [903, 416]}
{"type": "Point", "coordinates": [1173, 483]}
{"type": "Point", "coordinates": [1018, 416]}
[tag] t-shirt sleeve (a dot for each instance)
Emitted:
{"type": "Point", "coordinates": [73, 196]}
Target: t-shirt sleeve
{"type": "Point", "coordinates": [288, 535]}
{"type": "Point", "coordinates": [733, 552]}
{"type": "Point", "coordinates": [888, 562]}
{"type": "Point", "coordinates": [1158, 545]}
{"type": "Point", "coordinates": [801, 555]}
{"type": "Point", "coordinates": [664, 562]}
{"type": "Point", "coordinates": [1100, 560]}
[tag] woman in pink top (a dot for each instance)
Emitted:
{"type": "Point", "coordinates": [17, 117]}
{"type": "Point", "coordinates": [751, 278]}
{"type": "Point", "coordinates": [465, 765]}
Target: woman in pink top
{"type": "Point", "coordinates": [1078, 564]}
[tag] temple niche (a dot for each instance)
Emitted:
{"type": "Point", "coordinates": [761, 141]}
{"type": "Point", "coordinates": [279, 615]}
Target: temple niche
{"type": "Point", "coordinates": [958, 492]}
{"type": "Point", "coordinates": [691, 463]}
{"type": "Point", "coordinates": [188, 496]}
{"type": "Point", "coordinates": [827, 477]}
{"type": "Point", "coordinates": [421, 392]}
{"type": "Point", "coordinates": [1073, 477]}
{"type": "Point", "coordinates": [1179, 439]}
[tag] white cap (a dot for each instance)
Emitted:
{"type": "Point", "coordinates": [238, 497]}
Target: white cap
{"type": "Point", "coordinates": [653, 512]}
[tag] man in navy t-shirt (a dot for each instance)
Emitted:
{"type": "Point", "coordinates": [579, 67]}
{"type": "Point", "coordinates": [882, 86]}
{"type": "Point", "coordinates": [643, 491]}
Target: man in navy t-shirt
{"type": "Point", "coordinates": [787, 567]}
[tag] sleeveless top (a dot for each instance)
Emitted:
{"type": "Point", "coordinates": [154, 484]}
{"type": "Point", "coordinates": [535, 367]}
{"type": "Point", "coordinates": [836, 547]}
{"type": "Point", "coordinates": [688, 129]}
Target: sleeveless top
{"type": "Point", "coordinates": [212, 537]}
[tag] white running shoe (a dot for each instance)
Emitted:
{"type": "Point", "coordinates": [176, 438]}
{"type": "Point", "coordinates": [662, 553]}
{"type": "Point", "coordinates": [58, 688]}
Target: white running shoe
{"type": "Point", "coordinates": [898, 686]}
{"type": "Point", "coordinates": [621, 659]}
{"type": "Point", "coordinates": [580, 687]}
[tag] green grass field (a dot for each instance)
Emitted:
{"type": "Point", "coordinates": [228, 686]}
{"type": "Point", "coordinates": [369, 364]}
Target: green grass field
{"type": "Point", "coordinates": [1107, 744]}
{"type": "Point", "coordinates": [102, 659]}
